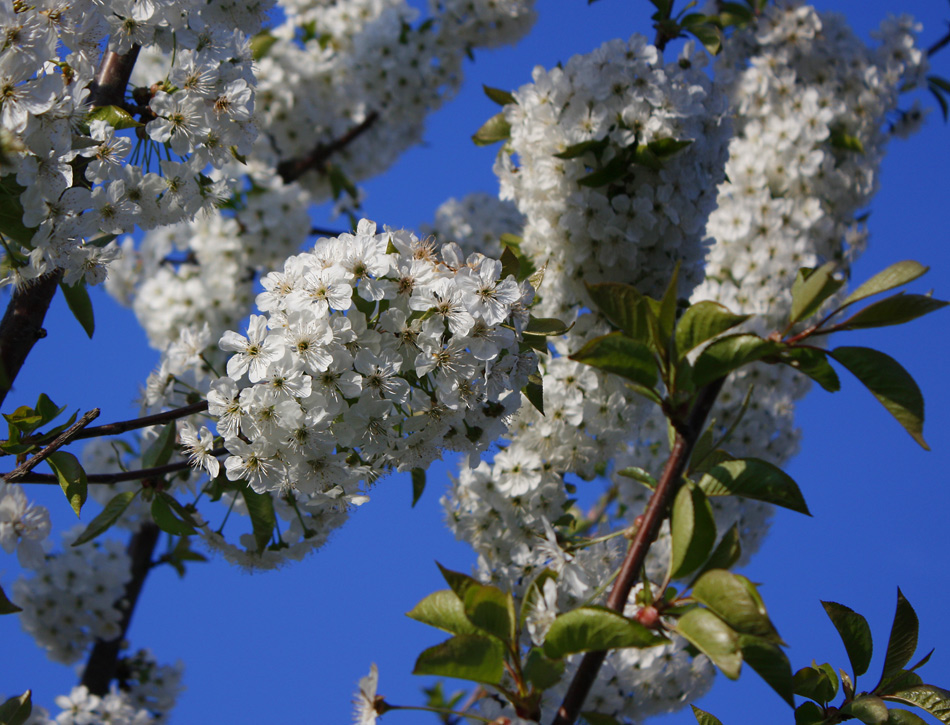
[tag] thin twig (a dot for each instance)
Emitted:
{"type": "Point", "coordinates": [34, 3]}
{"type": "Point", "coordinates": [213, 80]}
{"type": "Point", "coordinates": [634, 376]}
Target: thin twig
{"type": "Point", "coordinates": [939, 45]}
{"type": "Point", "coordinates": [101, 665]}
{"type": "Point", "coordinates": [58, 442]}
{"type": "Point", "coordinates": [687, 432]}
{"type": "Point", "coordinates": [143, 422]}
{"type": "Point", "coordinates": [321, 232]}
{"type": "Point", "coordinates": [119, 477]}
{"type": "Point", "coordinates": [293, 169]}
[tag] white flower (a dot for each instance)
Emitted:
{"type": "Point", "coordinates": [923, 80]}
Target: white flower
{"type": "Point", "coordinates": [364, 704]}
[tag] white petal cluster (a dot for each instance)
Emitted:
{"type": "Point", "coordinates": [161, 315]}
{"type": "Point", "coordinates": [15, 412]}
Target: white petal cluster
{"type": "Point", "coordinates": [642, 220]}
{"type": "Point", "coordinates": [317, 403]}
{"type": "Point", "coordinates": [71, 601]}
{"type": "Point", "coordinates": [81, 707]}
{"type": "Point", "coordinates": [24, 526]}
{"type": "Point", "coordinates": [476, 223]}
{"type": "Point", "coordinates": [76, 176]}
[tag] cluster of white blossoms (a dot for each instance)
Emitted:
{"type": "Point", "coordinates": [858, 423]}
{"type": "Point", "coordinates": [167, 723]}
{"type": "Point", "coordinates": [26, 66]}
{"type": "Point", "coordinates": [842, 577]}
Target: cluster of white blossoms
{"type": "Point", "coordinates": [24, 526]}
{"type": "Point", "coordinates": [476, 223]}
{"type": "Point", "coordinates": [77, 180]}
{"type": "Point", "coordinates": [789, 199]}
{"type": "Point", "coordinates": [377, 352]}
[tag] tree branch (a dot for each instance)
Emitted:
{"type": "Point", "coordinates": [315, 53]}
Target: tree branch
{"type": "Point", "coordinates": [112, 78]}
{"type": "Point", "coordinates": [687, 432]}
{"type": "Point", "coordinates": [293, 169]}
{"type": "Point", "coordinates": [57, 443]}
{"type": "Point", "coordinates": [939, 45]}
{"type": "Point", "coordinates": [101, 665]}
{"type": "Point", "coordinates": [143, 422]}
{"type": "Point", "coordinates": [22, 325]}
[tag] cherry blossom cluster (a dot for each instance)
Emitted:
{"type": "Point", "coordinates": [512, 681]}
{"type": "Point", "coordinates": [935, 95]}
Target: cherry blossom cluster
{"type": "Point", "coordinates": [476, 223]}
{"type": "Point", "coordinates": [376, 352]}
{"type": "Point", "coordinates": [77, 180]}
{"type": "Point", "coordinates": [24, 526]}
{"type": "Point", "coordinates": [614, 160]}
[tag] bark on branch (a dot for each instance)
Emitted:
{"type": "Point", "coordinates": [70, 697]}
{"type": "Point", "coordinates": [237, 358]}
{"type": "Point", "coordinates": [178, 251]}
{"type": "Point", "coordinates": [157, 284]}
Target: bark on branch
{"type": "Point", "coordinates": [316, 160]}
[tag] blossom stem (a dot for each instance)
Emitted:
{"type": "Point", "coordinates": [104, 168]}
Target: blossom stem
{"type": "Point", "coordinates": [101, 665]}
{"type": "Point", "coordinates": [58, 442]}
{"type": "Point", "coordinates": [687, 432]}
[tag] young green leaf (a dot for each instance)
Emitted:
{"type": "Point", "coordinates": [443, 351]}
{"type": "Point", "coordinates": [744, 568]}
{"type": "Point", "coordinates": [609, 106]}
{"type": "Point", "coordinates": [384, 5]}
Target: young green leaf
{"type": "Point", "coordinates": [466, 656]}
{"type": "Point", "coordinates": [728, 353]}
{"type": "Point", "coordinates": [868, 709]}
{"type": "Point", "coordinates": [617, 353]}
{"type": "Point", "coordinates": [71, 477]}
{"type": "Point", "coordinates": [928, 698]}
{"type": "Point", "coordinates": [624, 306]}
{"type": "Point", "coordinates": [808, 713]}
{"type": "Point", "coordinates": [260, 507]}
{"type": "Point", "coordinates": [541, 671]}
{"type": "Point", "coordinates": [692, 530]}
{"type": "Point", "coordinates": [813, 363]}
{"type": "Point", "coordinates": [817, 682]}
{"type": "Point", "coordinates": [166, 520]}
{"type": "Point", "coordinates": [726, 553]}
{"type": "Point", "coordinates": [890, 384]}
{"type": "Point", "coordinates": [903, 639]}
{"type": "Point", "coordinates": [714, 638]}
{"type": "Point", "coordinates": [160, 450]}
{"type": "Point", "coordinates": [77, 299]}
{"type": "Point", "coordinates": [534, 392]}
{"type": "Point", "coordinates": [495, 129]}
{"type": "Point", "coordinates": [638, 474]}
{"type": "Point", "coordinates": [502, 98]}
{"type": "Point", "coordinates": [6, 606]}
{"type": "Point", "coordinates": [701, 322]}
{"type": "Point", "coordinates": [485, 606]}
{"type": "Point", "coordinates": [770, 663]}
{"type": "Point", "coordinates": [754, 478]}
{"type": "Point", "coordinates": [734, 599]}
{"type": "Point", "coordinates": [614, 170]}
{"type": "Point", "coordinates": [418, 484]}
{"type": "Point", "coordinates": [894, 276]}
{"type": "Point", "coordinates": [811, 288]}
{"type": "Point", "coordinates": [903, 717]}
{"type": "Point", "coordinates": [704, 718]}
{"type": "Point", "coordinates": [16, 710]}
{"type": "Point", "coordinates": [855, 633]}
{"type": "Point", "coordinates": [588, 629]}
{"type": "Point", "coordinates": [443, 610]}
{"type": "Point", "coordinates": [115, 116]}
{"type": "Point", "coordinates": [895, 310]}
{"type": "Point", "coordinates": [109, 515]}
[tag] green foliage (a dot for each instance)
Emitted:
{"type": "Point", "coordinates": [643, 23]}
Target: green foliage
{"type": "Point", "coordinates": [703, 717]}
{"type": "Point", "coordinates": [588, 629]}
{"type": "Point", "coordinates": [714, 638]}
{"type": "Point", "coordinates": [692, 531]}
{"type": "Point", "coordinates": [495, 129]}
{"type": "Point", "coordinates": [77, 299]}
{"type": "Point", "coordinates": [474, 657]}
{"type": "Point", "coordinates": [260, 507]}
{"type": "Point", "coordinates": [109, 515]}
{"type": "Point", "coordinates": [756, 479]}
{"type": "Point", "coordinates": [6, 606]}
{"type": "Point", "coordinates": [418, 484]}
{"type": "Point", "coordinates": [855, 634]}
{"type": "Point", "coordinates": [617, 353]}
{"type": "Point", "coordinates": [444, 610]}
{"type": "Point", "coordinates": [16, 710]}
{"type": "Point", "coordinates": [71, 477]}
{"type": "Point", "coordinates": [502, 98]}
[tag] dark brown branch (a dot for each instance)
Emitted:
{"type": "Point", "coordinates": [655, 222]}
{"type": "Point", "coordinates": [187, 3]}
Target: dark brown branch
{"type": "Point", "coordinates": [112, 78]}
{"type": "Point", "coordinates": [57, 443]}
{"type": "Point", "coordinates": [687, 432]}
{"type": "Point", "coordinates": [22, 326]}
{"type": "Point", "coordinates": [293, 169]}
{"type": "Point", "coordinates": [321, 232]}
{"type": "Point", "coordinates": [156, 472]}
{"type": "Point", "coordinates": [101, 665]}
{"type": "Point", "coordinates": [143, 422]}
{"type": "Point", "coordinates": [939, 45]}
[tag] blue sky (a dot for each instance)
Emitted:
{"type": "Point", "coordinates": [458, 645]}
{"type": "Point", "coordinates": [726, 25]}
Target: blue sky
{"type": "Point", "coordinates": [290, 646]}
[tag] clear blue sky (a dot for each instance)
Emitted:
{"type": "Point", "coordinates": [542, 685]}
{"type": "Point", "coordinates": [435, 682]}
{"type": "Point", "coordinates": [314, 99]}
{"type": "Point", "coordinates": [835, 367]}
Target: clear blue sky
{"type": "Point", "coordinates": [290, 646]}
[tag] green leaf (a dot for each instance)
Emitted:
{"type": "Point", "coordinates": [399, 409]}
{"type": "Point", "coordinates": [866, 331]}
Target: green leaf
{"type": "Point", "coordinates": [818, 683]}
{"type": "Point", "coordinates": [726, 553]}
{"type": "Point", "coordinates": [11, 211]}
{"type": "Point", "coordinates": [619, 354]}
{"type": "Point", "coordinates": [895, 310]}
{"type": "Point", "coordinates": [487, 607]}
{"type": "Point", "coordinates": [624, 307]}
{"type": "Point", "coordinates": [159, 451]}
{"type": "Point", "coordinates": [692, 529]}
{"type": "Point", "coordinates": [754, 478]}
{"type": "Point", "coordinates": [890, 384]}
{"type": "Point", "coordinates": [110, 514]}
{"type": "Point", "coordinates": [664, 148]}
{"type": "Point", "coordinates": [6, 606]}
{"type": "Point", "coordinates": [510, 264]}
{"type": "Point", "coordinates": [813, 363]}
{"type": "Point", "coordinates": [928, 698]}
{"type": "Point", "coordinates": [579, 149]}
{"type": "Point", "coordinates": [855, 633]}
{"type": "Point", "coordinates": [493, 130]}
{"type": "Point", "coordinates": [260, 507]}
{"type": "Point", "coordinates": [16, 710]}
{"type": "Point", "coordinates": [704, 718]}
{"type": "Point", "coordinates": [261, 43]}
{"type": "Point", "coordinates": [808, 713]}
{"type": "Point", "coordinates": [868, 709]}
{"type": "Point", "coordinates": [903, 640]}
{"type": "Point", "coordinates": [735, 600]}
{"type": "Point", "coordinates": [77, 299]}
{"type": "Point", "coordinates": [546, 326]}
{"type": "Point", "coordinates": [904, 717]}
{"type": "Point", "coordinates": [811, 288]}
{"type": "Point", "coordinates": [709, 35]}
{"type": "Point", "coordinates": [614, 170]}
{"type": "Point", "coordinates": [702, 322]}
{"type": "Point", "coordinates": [534, 392]}
{"type": "Point", "coordinates": [502, 98]}
{"type": "Point", "coordinates": [598, 718]}
{"type": "Point", "coordinates": [894, 276]}
{"type": "Point", "coordinates": [770, 663]}
{"type": "Point", "coordinates": [728, 353]}
{"type": "Point", "coordinates": [165, 519]}
{"type": "Point", "coordinates": [590, 629]}
{"type": "Point", "coordinates": [541, 671]}
{"type": "Point", "coordinates": [47, 409]}
{"type": "Point", "coordinates": [418, 484]}
{"type": "Point", "coordinates": [666, 317]}
{"type": "Point", "coordinates": [846, 141]}
{"type": "Point", "coordinates": [443, 610]}
{"type": "Point", "coordinates": [71, 477]}
{"type": "Point", "coordinates": [466, 656]}
{"type": "Point", "coordinates": [714, 638]}
{"type": "Point", "coordinates": [115, 116]}
{"type": "Point", "coordinates": [638, 474]}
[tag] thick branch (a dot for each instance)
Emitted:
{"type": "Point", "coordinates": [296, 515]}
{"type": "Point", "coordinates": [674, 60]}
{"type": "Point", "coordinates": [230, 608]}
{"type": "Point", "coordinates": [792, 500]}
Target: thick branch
{"type": "Point", "coordinates": [156, 472]}
{"type": "Point", "coordinates": [686, 435]}
{"type": "Point", "coordinates": [101, 665]}
{"type": "Point", "coordinates": [61, 440]}
{"type": "Point", "coordinates": [22, 326]}
{"type": "Point", "coordinates": [112, 78]}
{"type": "Point", "coordinates": [293, 169]}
